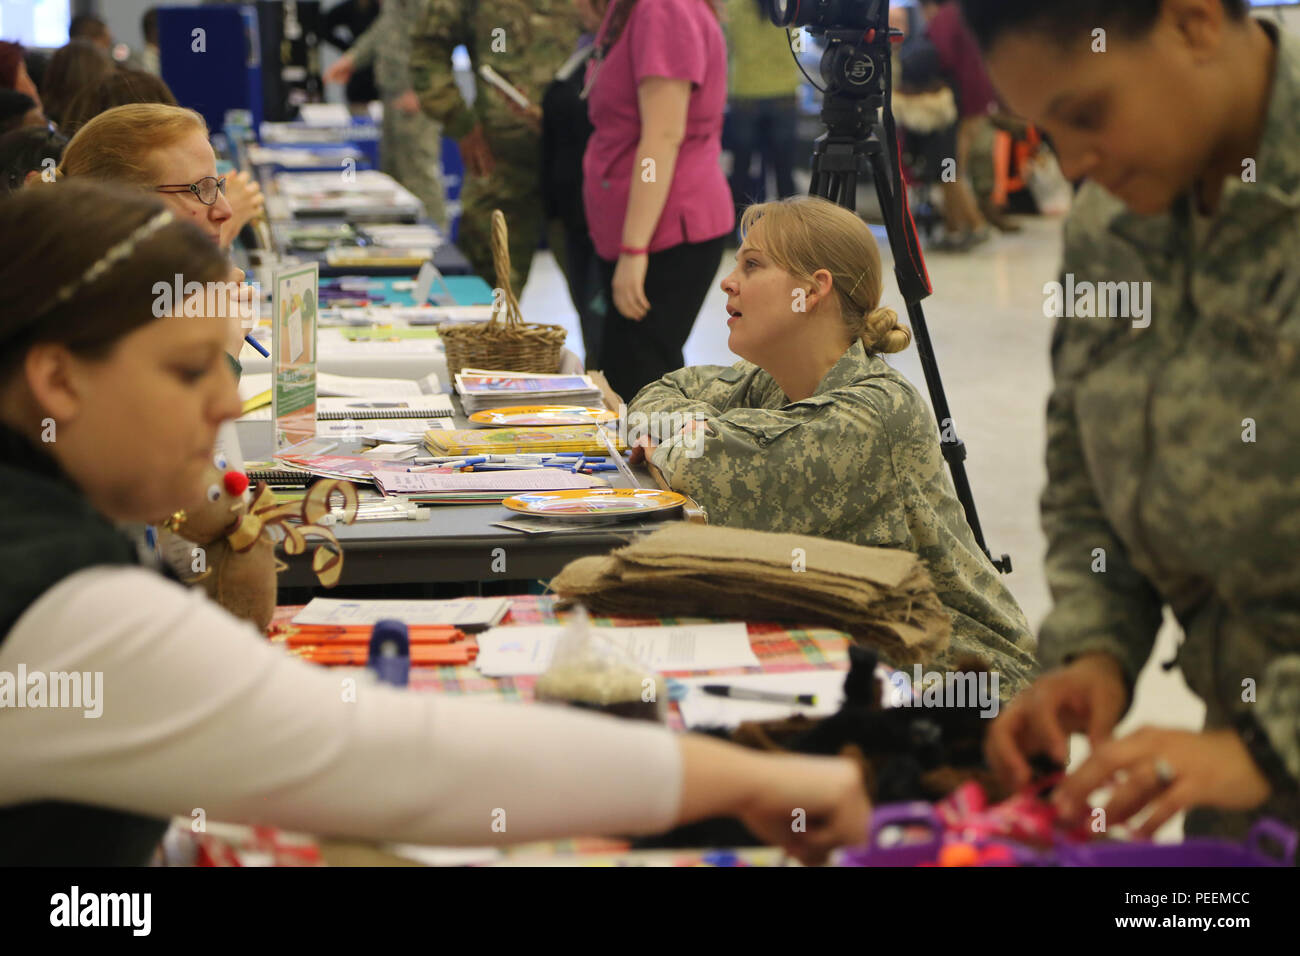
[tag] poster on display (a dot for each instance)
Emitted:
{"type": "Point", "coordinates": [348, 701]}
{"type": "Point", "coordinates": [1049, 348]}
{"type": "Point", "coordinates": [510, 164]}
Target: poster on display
{"type": "Point", "coordinates": [293, 351]}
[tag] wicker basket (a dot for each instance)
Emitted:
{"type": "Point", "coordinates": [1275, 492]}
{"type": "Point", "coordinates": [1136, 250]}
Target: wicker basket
{"type": "Point", "coordinates": [502, 344]}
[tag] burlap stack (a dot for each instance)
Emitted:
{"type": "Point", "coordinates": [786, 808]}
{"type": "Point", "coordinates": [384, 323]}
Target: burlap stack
{"type": "Point", "coordinates": [880, 596]}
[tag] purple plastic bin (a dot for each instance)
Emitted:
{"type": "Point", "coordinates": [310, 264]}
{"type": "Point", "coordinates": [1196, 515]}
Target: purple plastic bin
{"type": "Point", "coordinates": [917, 814]}
{"type": "Point", "coordinates": [1196, 851]}
{"type": "Point", "coordinates": [914, 852]}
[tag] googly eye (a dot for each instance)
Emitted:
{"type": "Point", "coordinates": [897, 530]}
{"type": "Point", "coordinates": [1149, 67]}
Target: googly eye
{"type": "Point", "coordinates": [220, 462]}
{"type": "Point", "coordinates": [214, 492]}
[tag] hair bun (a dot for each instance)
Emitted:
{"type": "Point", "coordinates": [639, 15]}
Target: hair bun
{"type": "Point", "coordinates": [884, 334]}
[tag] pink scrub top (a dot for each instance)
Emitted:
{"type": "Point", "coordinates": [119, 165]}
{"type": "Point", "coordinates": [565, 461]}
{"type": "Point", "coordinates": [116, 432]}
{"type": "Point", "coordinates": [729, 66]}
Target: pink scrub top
{"type": "Point", "coordinates": [679, 39]}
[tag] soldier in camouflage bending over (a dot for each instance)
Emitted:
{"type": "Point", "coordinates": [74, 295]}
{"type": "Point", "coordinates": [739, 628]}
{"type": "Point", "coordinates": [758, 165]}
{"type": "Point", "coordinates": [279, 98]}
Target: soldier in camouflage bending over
{"type": "Point", "coordinates": [1173, 439]}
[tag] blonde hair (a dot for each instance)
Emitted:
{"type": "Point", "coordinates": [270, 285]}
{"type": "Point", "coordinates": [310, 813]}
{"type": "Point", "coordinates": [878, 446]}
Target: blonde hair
{"type": "Point", "coordinates": [803, 234]}
{"type": "Point", "coordinates": [115, 145]}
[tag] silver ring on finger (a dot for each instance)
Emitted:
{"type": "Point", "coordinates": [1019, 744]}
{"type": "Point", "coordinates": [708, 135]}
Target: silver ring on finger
{"type": "Point", "coordinates": [1164, 771]}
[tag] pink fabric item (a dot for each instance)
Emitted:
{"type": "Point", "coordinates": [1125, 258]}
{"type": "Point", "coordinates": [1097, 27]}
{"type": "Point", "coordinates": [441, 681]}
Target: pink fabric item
{"type": "Point", "coordinates": [678, 39]}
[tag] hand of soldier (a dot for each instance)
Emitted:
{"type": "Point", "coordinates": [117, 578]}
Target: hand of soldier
{"type": "Point", "coordinates": [1088, 696]}
{"type": "Point", "coordinates": [341, 70]}
{"type": "Point", "coordinates": [407, 103]}
{"type": "Point", "coordinates": [642, 449]}
{"type": "Point", "coordinates": [474, 152]}
{"type": "Point", "coordinates": [629, 286]}
{"type": "Point", "coordinates": [1211, 769]}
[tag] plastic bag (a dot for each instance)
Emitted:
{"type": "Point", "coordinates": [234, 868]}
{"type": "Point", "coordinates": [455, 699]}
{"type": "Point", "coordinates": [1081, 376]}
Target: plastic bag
{"type": "Point", "coordinates": [590, 670]}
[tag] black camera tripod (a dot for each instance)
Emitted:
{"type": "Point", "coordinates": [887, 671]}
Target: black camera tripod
{"type": "Point", "coordinates": [856, 69]}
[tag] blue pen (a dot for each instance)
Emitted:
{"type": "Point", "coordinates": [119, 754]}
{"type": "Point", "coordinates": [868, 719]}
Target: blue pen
{"type": "Point", "coordinates": [257, 345]}
{"type": "Point", "coordinates": [579, 463]}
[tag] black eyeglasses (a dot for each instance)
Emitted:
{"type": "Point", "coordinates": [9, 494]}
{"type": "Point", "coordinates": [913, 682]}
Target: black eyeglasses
{"type": "Point", "coordinates": [206, 189]}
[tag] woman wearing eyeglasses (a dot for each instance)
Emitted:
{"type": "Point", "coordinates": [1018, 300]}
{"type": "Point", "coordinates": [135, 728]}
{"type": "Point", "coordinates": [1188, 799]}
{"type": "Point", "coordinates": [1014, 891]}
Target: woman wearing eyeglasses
{"type": "Point", "coordinates": [165, 149]}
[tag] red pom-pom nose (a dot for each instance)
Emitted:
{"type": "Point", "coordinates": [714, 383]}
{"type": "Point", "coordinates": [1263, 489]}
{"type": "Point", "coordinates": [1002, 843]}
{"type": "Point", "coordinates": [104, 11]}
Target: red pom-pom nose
{"type": "Point", "coordinates": [236, 483]}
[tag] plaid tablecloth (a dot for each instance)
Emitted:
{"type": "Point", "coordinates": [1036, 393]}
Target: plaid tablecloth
{"type": "Point", "coordinates": [779, 648]}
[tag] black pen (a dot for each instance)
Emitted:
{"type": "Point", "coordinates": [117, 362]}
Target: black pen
{"type": "Point", "coordinates": [767, 696]}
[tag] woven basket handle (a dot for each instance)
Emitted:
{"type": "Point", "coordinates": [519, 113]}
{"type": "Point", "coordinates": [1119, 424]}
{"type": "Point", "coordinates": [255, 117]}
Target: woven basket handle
{"type": "Point", "coordinates": [501, 262]}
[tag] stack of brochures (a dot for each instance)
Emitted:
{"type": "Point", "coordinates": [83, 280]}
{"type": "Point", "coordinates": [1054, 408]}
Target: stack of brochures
{"type": "Point", "coordinates": [584, 439]}
{"type": "Point", "coordinates": [480, 389]}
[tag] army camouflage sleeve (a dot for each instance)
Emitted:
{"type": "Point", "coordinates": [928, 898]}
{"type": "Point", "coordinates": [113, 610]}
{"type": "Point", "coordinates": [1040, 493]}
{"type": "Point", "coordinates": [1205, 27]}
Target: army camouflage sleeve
{"type": "Point", "coordinates": [784, 458]}
{"type": "Point", "coordinates": [440, 27]}
{"type": "Point", "coordinates": [1278, 713]}
{"type": "Point", "coordinates": [1100, 602]}
{"type": "Point", "coordinates": [693, 392]}
{"type": "Point", "coordinates": [367, 45]}
{"type": "Point", "coordinates": [393, 65]}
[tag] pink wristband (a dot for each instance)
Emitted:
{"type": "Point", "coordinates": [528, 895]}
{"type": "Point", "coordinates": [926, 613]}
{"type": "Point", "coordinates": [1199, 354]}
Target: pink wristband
{"type": "Point", "coordinates": [629, 251]}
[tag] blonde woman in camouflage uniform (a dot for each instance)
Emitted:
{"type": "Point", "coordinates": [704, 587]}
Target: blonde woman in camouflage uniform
{"type": "Point", "coordinates": [1173, 439]}
{"type": "Point", "coordinates": [814, 433]}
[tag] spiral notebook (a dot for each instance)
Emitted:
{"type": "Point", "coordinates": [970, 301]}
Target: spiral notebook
{"type": "Point", "coordinates": [362, 409]}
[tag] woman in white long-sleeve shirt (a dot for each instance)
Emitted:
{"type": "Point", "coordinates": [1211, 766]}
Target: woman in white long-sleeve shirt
{"type": "Point", "coordinates": [109, 414]}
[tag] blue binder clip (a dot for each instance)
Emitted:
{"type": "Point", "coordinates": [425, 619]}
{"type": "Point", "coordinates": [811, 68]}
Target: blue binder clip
{"type": "Point", "coordinates": [390, 653]}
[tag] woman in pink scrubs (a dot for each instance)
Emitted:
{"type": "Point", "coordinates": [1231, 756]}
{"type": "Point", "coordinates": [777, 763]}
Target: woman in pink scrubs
{"type": "Point", "coordinates": [658, 206]}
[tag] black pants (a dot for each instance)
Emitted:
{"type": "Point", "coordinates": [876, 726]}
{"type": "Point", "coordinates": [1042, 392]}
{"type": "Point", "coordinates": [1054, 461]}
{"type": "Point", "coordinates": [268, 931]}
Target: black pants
{"type": "Point", "coordinates": [634, 354]}
{"type": "Point", "coordinates": [587, 289]}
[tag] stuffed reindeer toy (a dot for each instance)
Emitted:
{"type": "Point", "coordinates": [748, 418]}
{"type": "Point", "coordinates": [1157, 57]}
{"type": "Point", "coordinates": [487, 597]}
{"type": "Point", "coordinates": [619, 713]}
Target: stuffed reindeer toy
{"type": "Point", "coordinates": [227, 542]}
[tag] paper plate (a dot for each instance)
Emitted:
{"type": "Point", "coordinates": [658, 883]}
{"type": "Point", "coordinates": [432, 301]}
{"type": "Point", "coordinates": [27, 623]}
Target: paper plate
{"type": "Point", "coordinates": [520, 416]}
{"type": "Point", "coordinates": [610, 503]}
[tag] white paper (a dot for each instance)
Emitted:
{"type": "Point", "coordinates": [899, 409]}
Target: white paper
{"type": "Point", "coordinates": [454, 611]}
{"type": "Point", "coordinates": [520, 479]}
{"type": "Point", "coordinates": [705, 710]}
{"type": "Point", "coordinates": [347, 386]}
{"type": "Point", "coordinates": [360, 427]}
{"type": "Point", "coordinates": [375, 406]}
{"type": "Point", "coordinates": [446, 855]}
{"type": "Point", "coordinates": [511, 651]}
{"type": "Point", "coordinates": [372, 349]}
{"type": "Point", "coordinates": [324, 114]}
{"type": "Point", "coordinates": [253, 384]}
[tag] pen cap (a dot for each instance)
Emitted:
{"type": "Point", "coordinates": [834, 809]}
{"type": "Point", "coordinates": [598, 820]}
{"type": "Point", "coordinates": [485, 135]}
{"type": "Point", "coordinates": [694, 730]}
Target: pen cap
{"type": "Point", "coordinates": [390, 652]}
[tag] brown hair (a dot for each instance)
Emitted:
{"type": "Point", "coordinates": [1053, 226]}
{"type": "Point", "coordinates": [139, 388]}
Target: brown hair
{"type": "Point", "coordinates": [75, 67]}
{"type": "Point", "coordinates": [123, 87]}
{"type": "Point", "coordinates": [805, 233]}
{"type": "Point", "coordinates": [115, 145]}
{"type": "Point", "coordinates": [79, 263]}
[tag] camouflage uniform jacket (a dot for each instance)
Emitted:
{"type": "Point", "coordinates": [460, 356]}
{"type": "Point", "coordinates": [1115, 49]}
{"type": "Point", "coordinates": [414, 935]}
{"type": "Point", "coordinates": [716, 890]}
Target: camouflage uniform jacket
{"type": "Point", "coordinates": [525, 41]}
{"type": "Point", "coordinates": [387, 44]}
{"type": "Point", "coordinates": [858, 461]}
{"type": "Point", "coordinates": [1174, 449]}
